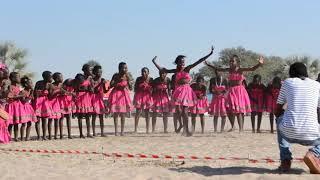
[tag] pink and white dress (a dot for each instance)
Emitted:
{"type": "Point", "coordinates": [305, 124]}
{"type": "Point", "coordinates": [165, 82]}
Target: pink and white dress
{"type": "Point", "coordinates": [218, 106]}
{"type": "Point", "coordinates": [202, 105]}
{"type": "Point", "coordinates": [183, 94]}
{"type": "Point", "coordinates": [84, 99]}
{"type": "Point", "coordinates": [143, 96]}
{"type": "Point", "coordinates": [257, 98]}
{"type": "Point", "coordinates": [97, 99]}
{"type": "Point", "coordinates": [119, 99]}
{"type": "Point", "coordinates": [160, 97]}
{"type": "Point", "coordinates": [272, 97]}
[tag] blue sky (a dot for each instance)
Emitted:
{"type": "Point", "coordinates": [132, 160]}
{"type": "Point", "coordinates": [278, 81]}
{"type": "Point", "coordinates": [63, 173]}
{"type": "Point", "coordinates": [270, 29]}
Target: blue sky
{"type": "Point", "coordinates": [62, 35]}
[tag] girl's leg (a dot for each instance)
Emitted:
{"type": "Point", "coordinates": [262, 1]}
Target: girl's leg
{"type": "Point", "coordinates": [175, 122]}
{"type": "Point", "coordinates": [223, 122]}
{"type": "Point", "coordinates": [154, 121]}
{"type": "Point", "coordinates": [80, 125]}
{"type": "Point", "coordinates": [61, 127]}
{"type": "Point", "coordinates": [231, 117]}
{"type": "Point", "coordinates": [271, 118]}
{"type": "Point", "coordinates": [28, 131]}
{"type": "Point", "coordinates": [88, 126]}
{"type": "Point", "coordinates": [44, 128]}
{"type": "Point", "coordinates": [253, 122]}
{"type": "Point", "coordinates": [215, 123]}
{"type": "Point", "coordinates": [185, 121]}
{"type": "Point", "coordinates": [10, 129]}
{"type": "Point", "coordinates": [37, 126]}
{"type": "Point", "coordinates": [22, 129]}
{"type": "Point", "coordinates": [122, 123]}
{"type": "Point", "coordinates": [193, 122]}
{"type": "Point", "coordinates": [16, 132]}
{"type": "Point", "coordinates": [240, 121]}
{"type": "Point", "coordinates": [259, 122]}
{"type": "Point", "coordinates": [115, 119]}
{"type": "Point", "coordinates": [136, 120]}
{"type": "Point", "coordinates": [68, 125]}
{"type": "Point", "coordinates": [165, 122]}
{"type": "Point", "coordinates": [101, 125]}
{"type": "Point", "coordinates": [94, 116]}
{"type": "Point", "coordinates": [147, 114]}
{"type": "Point", "coordinates": [202, 123]}
{"type": "Point", "coordinates": [56, 125]}
{"type": "Point", "coordinates": [50, 128]}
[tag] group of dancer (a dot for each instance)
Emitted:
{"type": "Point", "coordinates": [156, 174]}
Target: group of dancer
{"type": "Point", "coordinates": [54, 99]}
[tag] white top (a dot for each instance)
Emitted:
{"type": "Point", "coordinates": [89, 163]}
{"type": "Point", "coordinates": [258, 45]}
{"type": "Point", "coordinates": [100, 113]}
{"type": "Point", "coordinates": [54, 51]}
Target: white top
{"type": "Point", "coordinates": [300, 118]}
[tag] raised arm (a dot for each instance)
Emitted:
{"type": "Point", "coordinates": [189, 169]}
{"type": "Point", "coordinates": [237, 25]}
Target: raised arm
{"type": "Point", "coordinates": [217, 68]}
{"type": "Point", "coordinates": [201, 59]}
{"type": "Point", "coordinates": [261, 61]}
{"type": "Point", "coordinates": [162, 68]}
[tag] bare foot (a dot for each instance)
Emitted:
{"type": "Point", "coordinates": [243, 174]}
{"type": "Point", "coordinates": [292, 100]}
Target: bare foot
{"type": "Point", "coordinates": [69, 137]}
{"type": "Point", "coordinates": [103, 135]}
{"type": "Point", "coordinates": [82, 136]}
{"type": "Point", "coordinates": [89, 136]}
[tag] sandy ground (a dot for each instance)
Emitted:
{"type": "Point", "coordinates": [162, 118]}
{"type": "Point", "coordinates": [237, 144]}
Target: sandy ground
{"type": "Point", "coordinates": [18, 165]}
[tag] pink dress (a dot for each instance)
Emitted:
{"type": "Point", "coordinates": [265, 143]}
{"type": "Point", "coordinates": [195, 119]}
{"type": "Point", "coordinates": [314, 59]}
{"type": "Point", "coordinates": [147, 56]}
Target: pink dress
{"type": "Point", "coordinates": [143, 96]}
{"type": "Point", "coordinates": [55, 104]}
{"type": "Point", "coordinates": [183, 94]}
{"type": "Point", "coordinates": [42, 104]}
{"type": "Point", "coordinates": [160, 96]}
{"type": "Point", "coordinates": [67, 102]}
{"type": "Point", "coordinates": [202, 105]}
{"type": "Point", "coordinates": [119, 99]}
{"type": "Point", "coordinates": [237, 100]}
{"type": "Point", "coordinates": [84, 100]}
{"type": "Point", "coordinates": [27, 112]}
{"type": "Point", "coordinates": [4, 134]}
{"type": "Point", "coordinates": [272, 98]}
{"type": "Point", "coordinates": [15, 107]}
{"type": "Point", "coordinates": [257, 98]}
{"type": "Point", "coordinates": [217, 106]}
{"type": "Point", "coordinates": [97, 99]}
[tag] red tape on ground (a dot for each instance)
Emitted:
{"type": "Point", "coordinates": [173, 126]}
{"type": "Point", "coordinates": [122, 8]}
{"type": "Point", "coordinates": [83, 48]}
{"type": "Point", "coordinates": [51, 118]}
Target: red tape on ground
{"type": "Point", "coordinates": [144, 156]}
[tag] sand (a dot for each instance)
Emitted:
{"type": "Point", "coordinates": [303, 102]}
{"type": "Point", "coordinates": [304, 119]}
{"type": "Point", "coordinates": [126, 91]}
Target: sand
{"type": "Point", "coordinates": [22, 165]}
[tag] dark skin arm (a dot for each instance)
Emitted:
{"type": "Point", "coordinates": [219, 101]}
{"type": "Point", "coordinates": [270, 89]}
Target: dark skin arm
{"type": "Point", "coordinates": [217, 68]}
{"type": "Point", "coordinates": [200, 60]}
{"type": "Point", "coordinates": [136, 84]}
{"type": "Point", "coordinates": [261, 61]}
{"type": "Point", "coordinates": [279, 110]}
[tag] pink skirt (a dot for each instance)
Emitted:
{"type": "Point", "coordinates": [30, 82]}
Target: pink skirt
{"type": "Point", "coordinates": [28, 113]}
{"type": "Point", "coordinates": [183, 95]}
{"type": "Point", "coordinates": [217, 106]}
{"type": "Point", "coordinates": [56, 108]}
{"type": "Point", "coordinates": [42, 107]}
{"type": "Point", "coordinates": [99, 107]}
{"type": "Point", "coordinates": [161, 102]}
{"type": "Point", "coordinates": [84, 103]}
{"type": "Point", "coordinates": [237, 100]}
{"type": "Point", "coordinates": [67, 104]}
{"type": "Point", "coordinates": [257, 102]}
{"type": "Point", "coordinates": [4, 134]}
{"type": "Point", "coordinates": [119, 101]}
{"type": "Point", "coordinates": [143, 100]}
{"type": "Point", "coordinates": [15, 111]}
{"type": "Point", "coordinates": [201, 107]}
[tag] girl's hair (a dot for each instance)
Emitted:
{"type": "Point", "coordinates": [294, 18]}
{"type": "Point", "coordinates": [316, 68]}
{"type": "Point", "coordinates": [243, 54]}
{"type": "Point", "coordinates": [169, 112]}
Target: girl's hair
{"type": "Point", "coordinates": [85, 66]}
{"type": "Point", "coordinates": [46, 74]}
{"type": "Point", "coordinates": [145, 68]}
{"type": "Point", "coordinates": [299, 70]}
{"type": "Point", "coordinates": [178, 59]}
{"type": "Point", "coordinates": [96, 68]}
{"type": "Point", "coordinates": [257, 76]}
{"type": "Point", "coordinates": [121, 64]}
{"type": "Point", "coordinates": [13, 74]}
{"type": "Point", "coordinates": [56, 75]}
{"type": "Point", "coordinates": [24, 81]}
{"type": "Point", "coordinates": [79, 77]}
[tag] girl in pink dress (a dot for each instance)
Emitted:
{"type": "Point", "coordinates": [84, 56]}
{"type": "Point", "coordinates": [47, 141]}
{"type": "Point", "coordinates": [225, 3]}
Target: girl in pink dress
{"type": "Point", "coordinates": [42, 104]}
{"type": "Point", "coordinates": [272, 92]}
{"type": "Point", "coordinates": [183, 96]}
{"type": "Point", "coordinates": [161, 101]}
{"type": "Point", "coordinates": [176, 116]}
{"type": "Point", "coordinates": [257, 100]}
{"type": "Point", "coordinates": [97, 99]}
{"type": "Point", "coordinates": [67, 103]}
{"type": "Point", "coordinates": [55, 94]}
{"type": "Point", "coordinates": [237, 100]}
{"type": "Point", "coordinates": [218, 88]}
{"type": "Point", "coordinates": [29, 114]}
{"type": "Point", "coordinates": [4, 134]}
{"type": "Point", "coordinates": [119, 99]}
{"type": "Point", "coordinates": [14, 106]}
{"type": "Point", "coordinates": [202, 104]}
{"type": "Point", "coordinates": [142, 100]}
{"type": "Point", "coordinates": [84, 105]}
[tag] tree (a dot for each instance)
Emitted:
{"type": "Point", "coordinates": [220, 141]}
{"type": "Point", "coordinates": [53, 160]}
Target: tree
{"type": "Point", "coordinates": [312, 64]}
{"type": "Point", "coordinates": [14, 58]}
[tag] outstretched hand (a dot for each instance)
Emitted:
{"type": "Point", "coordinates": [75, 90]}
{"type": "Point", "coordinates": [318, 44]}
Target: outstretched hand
{"type": "Point", "coordinates": [212, 49]}
{"type": "Point", "coordinates": [154, 59]}
{"type": "Point", "coordinates": [261, 60]}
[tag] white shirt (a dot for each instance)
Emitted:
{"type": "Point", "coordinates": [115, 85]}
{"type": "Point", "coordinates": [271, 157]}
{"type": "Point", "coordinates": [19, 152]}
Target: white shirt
{"type": "Point", "coordinates": [300, 118]}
